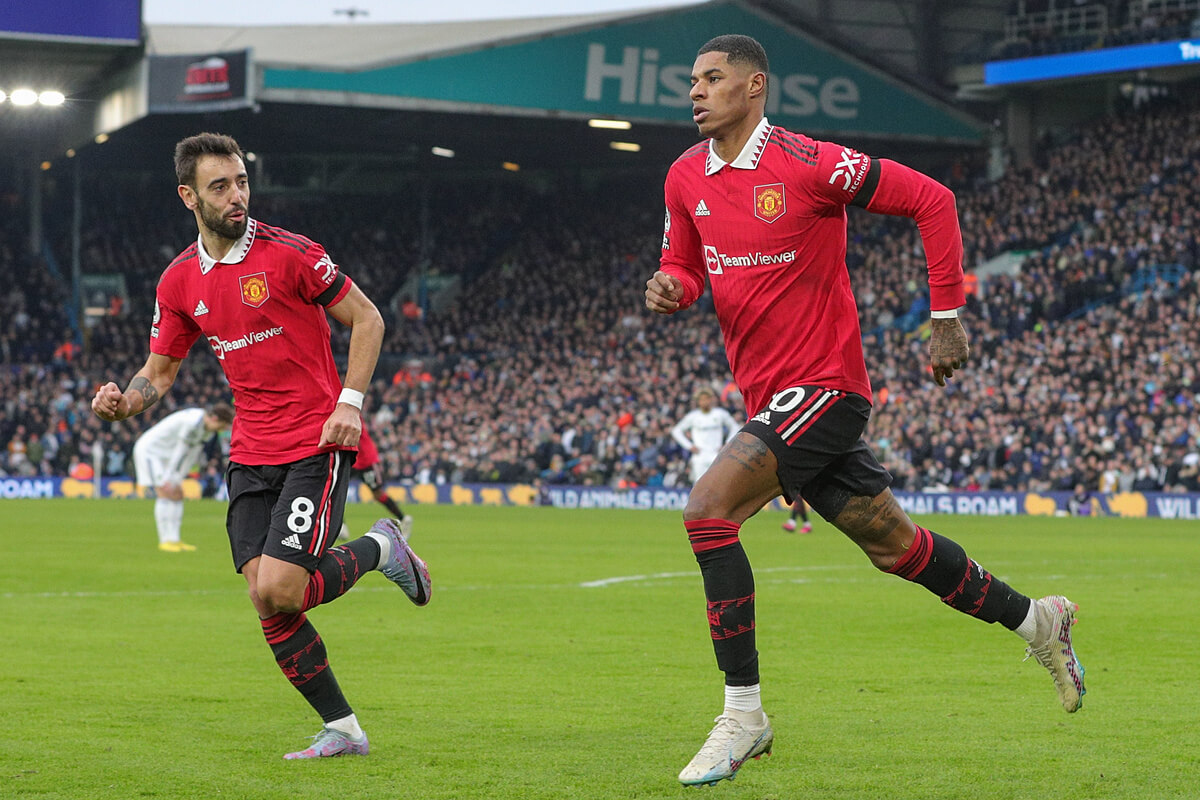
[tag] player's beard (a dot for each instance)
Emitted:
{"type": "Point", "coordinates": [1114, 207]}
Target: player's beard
{"type": "Point", "coordinates": [225, 228]}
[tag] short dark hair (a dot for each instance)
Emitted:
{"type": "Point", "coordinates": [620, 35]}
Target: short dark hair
{"type": "Point", "coordinates": [222, 411]}
{"type": "Point", "coordinates": [189, 151]}
{"type": "Point", "coordinates": [738, 49]}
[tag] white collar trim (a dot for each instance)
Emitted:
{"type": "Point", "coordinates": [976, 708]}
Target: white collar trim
{"type": "Point", "coordinates": [236, 254]}
{"type": "Point", "coordinates": [751, 152]}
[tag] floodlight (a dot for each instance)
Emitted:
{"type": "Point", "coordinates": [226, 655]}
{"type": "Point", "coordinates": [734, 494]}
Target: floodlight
{"type": "Point", "coordinates": [52, 97]}
{"type": "Point", "coordinates": [444, 152]}
{"type": "Point", "coordinates": [23, 97]}
{"type": "Point", "coordinates": [610, 124]}
{"type": "Point", "coordinates": [625, 147]}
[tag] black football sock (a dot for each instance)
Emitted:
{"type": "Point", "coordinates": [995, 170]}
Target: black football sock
{"type": "Point", "coordinates": [339, 569]}
{"type": "Point", "coordinates": [942, 567]}
{"type": "Point", "coordinates": [729, 589]}
{"type": "Point", "coordinates": [301, 655]}
{"type": "Point", "coordinates": [390, 505]}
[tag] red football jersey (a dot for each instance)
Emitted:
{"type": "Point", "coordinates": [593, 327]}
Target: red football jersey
{"type": "Point", "coordinates": [368, 453]}
{"type": "Point", "coordinates": [262, 308]}
{"type": "Point", "coordinates": [769, 231]}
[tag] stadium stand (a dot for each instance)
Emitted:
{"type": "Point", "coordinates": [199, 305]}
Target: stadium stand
{"type": "Point", "coordinates": [1048, 27]}
{"type": "Point", "coordinates": [548, 369]}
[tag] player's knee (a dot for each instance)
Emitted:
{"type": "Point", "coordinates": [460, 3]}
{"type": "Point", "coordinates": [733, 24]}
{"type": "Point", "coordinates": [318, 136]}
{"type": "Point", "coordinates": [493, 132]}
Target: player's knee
{"type": "Point", "coordinates": [704, 504]}
{"type": "Point", "coordinates": [278, 598]}
{"type": "Point", "coordinates": [886, 550]}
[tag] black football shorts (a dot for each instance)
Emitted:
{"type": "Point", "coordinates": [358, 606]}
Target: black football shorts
{"type": "Point", "coordinates": [372, 476]}
{"type": "Point", "coordinates": [816, 436]}
{"type": "Point", "coordinates": [289, 511]}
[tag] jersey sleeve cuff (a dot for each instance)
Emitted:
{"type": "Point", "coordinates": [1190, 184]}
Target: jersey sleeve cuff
{"type": "Point", "coordinates": [949, 313]}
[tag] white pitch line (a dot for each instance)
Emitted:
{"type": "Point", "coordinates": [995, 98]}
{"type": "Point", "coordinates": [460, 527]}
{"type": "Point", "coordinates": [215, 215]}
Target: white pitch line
{"type": "Point", "coordinates": [695, 573]}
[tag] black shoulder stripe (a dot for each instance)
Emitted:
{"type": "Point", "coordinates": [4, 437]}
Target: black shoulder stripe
{"type": "Point", "coordinates": [266, 237]}
{"type": "Point", "coordinates": [184, 256]}
{"type": "Point", "coordinates": [280, 233]}
{"type": "Point", "coordinates": [799, 156]}
{"type": "Point", "coordinates": [803, 145]}
{"type": "Point", "coordinates": [867, 190]}
{"type": "Point", "coordinates": [326, 297]}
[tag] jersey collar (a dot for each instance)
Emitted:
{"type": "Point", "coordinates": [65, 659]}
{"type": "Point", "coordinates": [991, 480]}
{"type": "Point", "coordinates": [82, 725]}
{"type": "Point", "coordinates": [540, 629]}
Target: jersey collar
{"type": "Point", "coordinates": [751, 152]}
{"type": "Point", "coordinates": [236, 254]}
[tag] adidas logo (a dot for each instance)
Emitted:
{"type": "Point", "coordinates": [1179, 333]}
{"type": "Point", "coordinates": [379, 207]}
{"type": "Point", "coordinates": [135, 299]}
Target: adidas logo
{"type": "Point", "coordinates": [201, 309]}
{"type": "Point", "coordinates": [292, 541]}
{"type": "Point", "coordinates": [702, 209]}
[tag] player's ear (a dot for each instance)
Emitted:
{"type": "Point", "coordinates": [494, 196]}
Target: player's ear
{"type": "Point", "coordinates": [188, 195]}
{"type": "Point", "coordinates": [758, 85]}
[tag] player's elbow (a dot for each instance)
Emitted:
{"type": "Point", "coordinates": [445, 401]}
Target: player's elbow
{"type": "Point", "coordinates": [943, 196]}
{"type": "Point", "coordinates": [371, 321]}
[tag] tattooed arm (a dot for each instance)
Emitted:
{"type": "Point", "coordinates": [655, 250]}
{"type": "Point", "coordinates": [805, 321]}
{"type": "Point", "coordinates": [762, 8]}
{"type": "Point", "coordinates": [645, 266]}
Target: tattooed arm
{"type": "Point", "coordinates": [948, 348]}
{"type": "Point", "coordinates": [149, 384]}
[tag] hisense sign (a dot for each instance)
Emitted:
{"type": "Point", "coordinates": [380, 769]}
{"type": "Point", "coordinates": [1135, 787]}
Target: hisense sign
{"type": "Point", "coordinates": [636, 77]}
{"type": "Point", "coordinates": [640, 69]}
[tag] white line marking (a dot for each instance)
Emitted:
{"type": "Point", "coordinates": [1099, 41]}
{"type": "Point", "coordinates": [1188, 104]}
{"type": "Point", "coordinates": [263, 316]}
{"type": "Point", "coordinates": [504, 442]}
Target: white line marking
{"type": "Point", "coordinates": [696, 573]}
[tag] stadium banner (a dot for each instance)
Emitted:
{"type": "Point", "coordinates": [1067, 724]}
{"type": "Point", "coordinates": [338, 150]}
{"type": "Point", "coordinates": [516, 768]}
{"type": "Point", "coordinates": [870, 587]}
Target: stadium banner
{"type": "Point", "coordinates": [92, 22]}
{"type": "Point", "coordinates": [1092, 62]}
{"type": "Point", "coordinates": [639, 68]}
{"type": "Point", "coordinates": [200, 83]}
{"type": "Point", "coordinates": [1163, 505]}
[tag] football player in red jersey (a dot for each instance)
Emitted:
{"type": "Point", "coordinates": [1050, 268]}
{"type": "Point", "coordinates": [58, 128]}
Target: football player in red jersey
{"type": "Point", "coordinates": [260, 296]}
{"type": "Point", "coordinates": [369, 469]}
{"type": "Point", "coordinates": [760, 211]}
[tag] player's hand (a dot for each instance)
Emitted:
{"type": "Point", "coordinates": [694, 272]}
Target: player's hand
{"type": "Point", "coordinates": [343, 427]}
{"type": "Point", "coordinates": [948, 348]}
{"type": "Point", "coordinates": [663, 293]}
{"type": "Point", "coordinates": [169, 491]}
{"type": "Point", "coordinates": [110, 403]}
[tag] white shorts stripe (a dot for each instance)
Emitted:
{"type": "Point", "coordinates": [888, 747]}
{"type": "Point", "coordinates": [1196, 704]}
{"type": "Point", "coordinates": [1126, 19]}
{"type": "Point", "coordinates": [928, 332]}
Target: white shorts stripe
{"type": "Point", "coordinates": [812, 409]}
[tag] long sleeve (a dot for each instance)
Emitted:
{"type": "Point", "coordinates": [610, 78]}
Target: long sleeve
{"type": "Point", "coordinates": [681, 246]}
{"type": "Point", "coordinates": [678, 432]}
{"type": "Point", "coordinates": [903, 191]}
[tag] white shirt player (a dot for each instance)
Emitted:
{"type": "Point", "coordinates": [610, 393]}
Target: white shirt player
{"type": "Point", "coordinates": [704, 431]}
{"type": "Point", "coordinates": [168, 451]}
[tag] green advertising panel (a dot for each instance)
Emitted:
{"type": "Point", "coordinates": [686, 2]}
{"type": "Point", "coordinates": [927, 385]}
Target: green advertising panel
{"type": "Point", "coordinates": [641, 68]}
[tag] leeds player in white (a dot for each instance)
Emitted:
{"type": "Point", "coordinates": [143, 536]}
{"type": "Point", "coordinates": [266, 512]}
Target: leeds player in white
{"type": "Point", "coordinates": [165, 453]}
{"type": "Point", "coordinates": [704, 431]}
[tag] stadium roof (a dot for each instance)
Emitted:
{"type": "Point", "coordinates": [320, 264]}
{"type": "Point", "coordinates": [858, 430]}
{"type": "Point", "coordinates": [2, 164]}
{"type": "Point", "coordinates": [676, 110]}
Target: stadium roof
{"type": "Point", "coordinates": [358, 46]}
{"type": "Point", "coordinates": [873, 36]}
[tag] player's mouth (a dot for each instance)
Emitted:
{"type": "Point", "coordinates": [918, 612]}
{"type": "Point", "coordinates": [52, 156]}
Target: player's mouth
{"type": "Point", "coordinates": [699, 114]}
{"type": "Point", "coordinates": [236, 216]}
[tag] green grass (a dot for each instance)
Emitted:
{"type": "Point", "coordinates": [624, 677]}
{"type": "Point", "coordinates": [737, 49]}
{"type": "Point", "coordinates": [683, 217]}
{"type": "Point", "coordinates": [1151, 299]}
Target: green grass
{"type": "Point", "coordinates": [129, 673]}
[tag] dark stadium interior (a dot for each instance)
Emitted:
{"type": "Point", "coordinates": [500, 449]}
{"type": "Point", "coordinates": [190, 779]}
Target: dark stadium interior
{"type": "Point", "coordinates": [1083, 367]}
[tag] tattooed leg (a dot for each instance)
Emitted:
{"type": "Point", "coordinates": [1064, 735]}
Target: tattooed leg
{"type": "Point", "coordinates": [739, 483]}
{"type": "Point", "coordinates": [879, 526]}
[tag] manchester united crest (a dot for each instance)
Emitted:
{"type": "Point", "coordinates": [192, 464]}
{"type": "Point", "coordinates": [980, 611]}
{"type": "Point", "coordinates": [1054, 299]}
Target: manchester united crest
{"type": "Point", "coordinates": [254, 289]}
{"type": "Point", "coordinates": [769, 202]}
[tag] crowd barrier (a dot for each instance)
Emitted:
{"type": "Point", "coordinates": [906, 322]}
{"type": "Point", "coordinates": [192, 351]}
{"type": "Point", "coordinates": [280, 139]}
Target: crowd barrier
{"type": "Point", "coordinates": [1125, 504]}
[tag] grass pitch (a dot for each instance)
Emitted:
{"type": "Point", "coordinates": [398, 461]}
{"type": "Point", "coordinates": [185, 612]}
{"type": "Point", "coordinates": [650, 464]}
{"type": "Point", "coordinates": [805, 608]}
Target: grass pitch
{"type": "Point", "coordinates": [566, 655]}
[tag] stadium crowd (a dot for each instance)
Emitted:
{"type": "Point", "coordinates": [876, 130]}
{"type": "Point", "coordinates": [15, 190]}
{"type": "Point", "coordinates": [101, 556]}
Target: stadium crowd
{"type": "Point", "coordinates": [1046, 27]}
{"type": "Point", "coordinates": [547, 368]}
